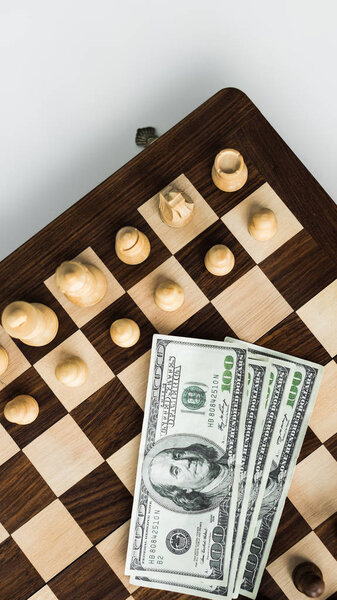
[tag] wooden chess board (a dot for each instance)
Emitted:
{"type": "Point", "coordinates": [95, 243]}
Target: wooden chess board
{"type": "Point", "coordinates": [66, 480]}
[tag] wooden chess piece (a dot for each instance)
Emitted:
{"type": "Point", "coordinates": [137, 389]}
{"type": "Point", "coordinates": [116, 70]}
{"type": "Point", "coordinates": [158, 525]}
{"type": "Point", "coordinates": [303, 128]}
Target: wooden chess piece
{"type": "Point", "coordinates": [168, 296]}
{"type": "Point", "coordinates": [132, 246]}
{"type": "Point", "coordinates": [262, 224]}
{"type": "Point", "coordinates": [229, 171]}
{"type": "Point", "coordinates": [124, 333]}
{"type": "Point", "coordinates": [176, 209]}
{"type": "Point", "coordinates": [22, 410]}
{"type": "Point", "coordinates": [308, 579]}
{"type": "Point", "coordinates": [82, 284]}
{"type": "Point", "coordinates": [33, 323]}
{"type": "Point", "coordinates": [3, 360]}
{"type": "Point", "coordinates": [72, 371]}
{"type": "Point", "coordinates": [219, 260]}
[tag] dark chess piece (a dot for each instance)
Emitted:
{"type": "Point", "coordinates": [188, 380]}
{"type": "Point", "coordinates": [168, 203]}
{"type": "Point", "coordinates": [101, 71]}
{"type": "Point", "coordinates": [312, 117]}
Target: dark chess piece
{"type": "Point", "coordinates": [308, 579]}
{"type": "Point", "coordinates": [145, 136]}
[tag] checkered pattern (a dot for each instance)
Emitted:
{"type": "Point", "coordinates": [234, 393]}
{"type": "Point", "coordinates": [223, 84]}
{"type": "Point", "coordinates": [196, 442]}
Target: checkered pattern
{"type": "Point", "coordinates": [67, 479]}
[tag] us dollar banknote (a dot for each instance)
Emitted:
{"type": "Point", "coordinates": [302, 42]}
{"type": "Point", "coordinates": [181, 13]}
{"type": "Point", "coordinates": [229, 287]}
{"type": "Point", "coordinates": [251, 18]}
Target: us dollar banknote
{"type": "Point", "coordinates": [256, 390]}
{"type": "Point", "coordinates": [287, 439]}
{"type": "Point", "coordinates": [189, 461]}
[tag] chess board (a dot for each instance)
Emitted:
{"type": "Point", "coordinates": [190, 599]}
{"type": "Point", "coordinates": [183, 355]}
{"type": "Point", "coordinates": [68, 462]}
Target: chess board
{"type": "Point", "coordinates": [67, 479]}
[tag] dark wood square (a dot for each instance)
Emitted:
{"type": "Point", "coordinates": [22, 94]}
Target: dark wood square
{"type": "Point", "coordinates": [327, 532]}
{"type": "Point", "coordinates": [292, 528]}
{"type": "Point", "coordinates": [129, 275]}
{"type": "Point", "coordinates": [23, 492]}
{"type": "Point", "coordinates": [206, 323]}
{"type": "Point", "coordinates": [88, 578]}
{"type": "Point", "coordinates": [299, 269]}
{"type": "Point", "coordinates": [99, 503]}
{"type": "Point", "coordinates": [143, 593]}
{"type": "Point", "coordinates": [18, 578]}
{"type": "Point", "coordinates": [51, 409]}
{"type": "Point", "coordinates": [268, 590]}
{"type": "Point", "coordinates": [41, 294]}
{"type": "Point", "coordinates": [331, 445]}
{"type": "Point", "coordinates": [192, 259]}
{"type": "Point", "coordinates": [200, 175]}
{"type": "Point", "coordinates": [293, 337]}
{"type": "Point", "coordinates": [98, 333]}
{"type": "Point", "coordinates": [310, 444]}
{"type": "Point", "coordinates": [110, 418]}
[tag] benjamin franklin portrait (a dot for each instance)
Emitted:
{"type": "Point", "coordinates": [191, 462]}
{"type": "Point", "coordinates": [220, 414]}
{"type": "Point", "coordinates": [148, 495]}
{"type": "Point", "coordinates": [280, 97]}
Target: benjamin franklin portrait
{"type": "Point", "coordinates": [187, 473]}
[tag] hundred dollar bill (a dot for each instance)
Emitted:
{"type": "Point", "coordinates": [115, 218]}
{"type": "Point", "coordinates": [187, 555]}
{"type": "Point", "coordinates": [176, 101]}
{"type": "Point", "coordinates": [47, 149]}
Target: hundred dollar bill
{"type": "Point", "coordinates": [189, 460]}
{"type": "Point", "coordinates": [257, 388]}
{"type": "Point", "coordinates": [287, 440]}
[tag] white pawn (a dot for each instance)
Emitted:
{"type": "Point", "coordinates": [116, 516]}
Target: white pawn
{"type": "Point", "coordinates": [22, 410]}
{"type": "Point", "coordinates": [132, 246]}
{"type": "Point", "coordinates": [219, 260]}
{"type": "Point", "coordinates": [3, 360]}
{"type": "Point", "coordinates": [82, 284]}
{"type": "Point", "coordinates": [124, 333]}
{"type": "Point", "coordinates": [34, 324]}
{"type": "Point", "coordinates": [263, 224]}
{"type": "Point", "coordinates": [72, 371]}
{"type": "Point", "coordinates": [169, 296]}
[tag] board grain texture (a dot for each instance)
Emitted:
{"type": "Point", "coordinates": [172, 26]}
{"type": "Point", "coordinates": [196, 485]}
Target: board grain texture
{"type": "Point", "coordinates": [66, 480]}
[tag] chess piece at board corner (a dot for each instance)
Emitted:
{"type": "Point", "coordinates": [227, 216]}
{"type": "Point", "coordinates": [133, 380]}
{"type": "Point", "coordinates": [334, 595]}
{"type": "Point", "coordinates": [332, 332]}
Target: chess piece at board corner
{"type": "Point", "coordinates": [22, 410]}
{"type": "Point", "coordinates": [82, 284]}
{"type": "Point", "coordinates": [229, 171]}
{"type": "Point", "coordinates": [132, 246]}
{"type": "Point", "coordinates": [262, 224]}
{"type": "Point", "coordinates": [33, 323]}
{"type": "Point", "coordinates": [3, 360]}
{"type": "Point", "coordinates": [72, 371]}
{"type": "Point", "coordinates": [308, 579]}
{"type": "Point", "coordinates": [124, 332]}
{"type": "Point", "coordinates": [169, 296]}
{"type": "Point", "coordinates": [176, 208]}
{"type": "Point", "coordinates": [219, 260]}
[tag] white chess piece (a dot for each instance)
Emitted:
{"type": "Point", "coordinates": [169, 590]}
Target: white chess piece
{"type": "Point", "coordinates": [82, 284]}
{"type": "Point", "coordinates": [132, 246]}
{"type": "Point", "coordinates": [72, 371]}
{"type": "Point", "coordinates": [34, 324]}
{"type": "Point", "coordinates": [169, 296]}
{"type": "Point", "coordinates": [22, 410]}
{"type": "Point", "coordinates": [219, 260]}
{"type": "Point", "coordinates": [124, 332]}
{"type": "Point", "coordinates": [263, 224]}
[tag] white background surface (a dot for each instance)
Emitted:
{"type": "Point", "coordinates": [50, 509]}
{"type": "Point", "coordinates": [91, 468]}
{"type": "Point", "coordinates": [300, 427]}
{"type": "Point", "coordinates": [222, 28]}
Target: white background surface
{"type": "Point", "coordinates": [79, 76]}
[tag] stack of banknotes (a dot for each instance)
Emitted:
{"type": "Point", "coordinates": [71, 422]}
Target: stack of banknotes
{"type": "Point", "coordinates": [223, 426]}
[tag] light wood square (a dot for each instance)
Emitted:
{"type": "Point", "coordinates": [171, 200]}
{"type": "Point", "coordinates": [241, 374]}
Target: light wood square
{"type": "Point", "coordinates": [7, 446]}
{"type": "Point", "coordinates": [310, 548]}
{"type": "Point", "coordinates": [98, 371]}
{"type": "Point", "coordinates": [82, 314]}
{"type": "Point", "coordinates": [124, 463]}
{"type": "Point", "coordinates": [17, 362]}
{"type": "Point", "coordinates": [51, 540]}
{"type": "Point", "coordinates": [113, 549]}
{"type": "Point", "coordinates": [142, 293]}
{"type": "Point", "coordinates": [323, 420]}
{"type": "Point", "coordinates": [175, 238]}
{"type": "Point", "coordinates": [135, 377]}
{"type": "Point", "coordinates": [252, 305]}
{"type": "Point", "coordinates": [319, 314]}
{"type": "Point", "coordinates": [63, 455]}
{"type": "Point", "coordinates": [237, 221]}
{"type": "Point", "coordinates": [313, 490]}
{"type": "Point", "coordinates": [44, 593]}
{"type": "Point", "coordinates": [3, 533]}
